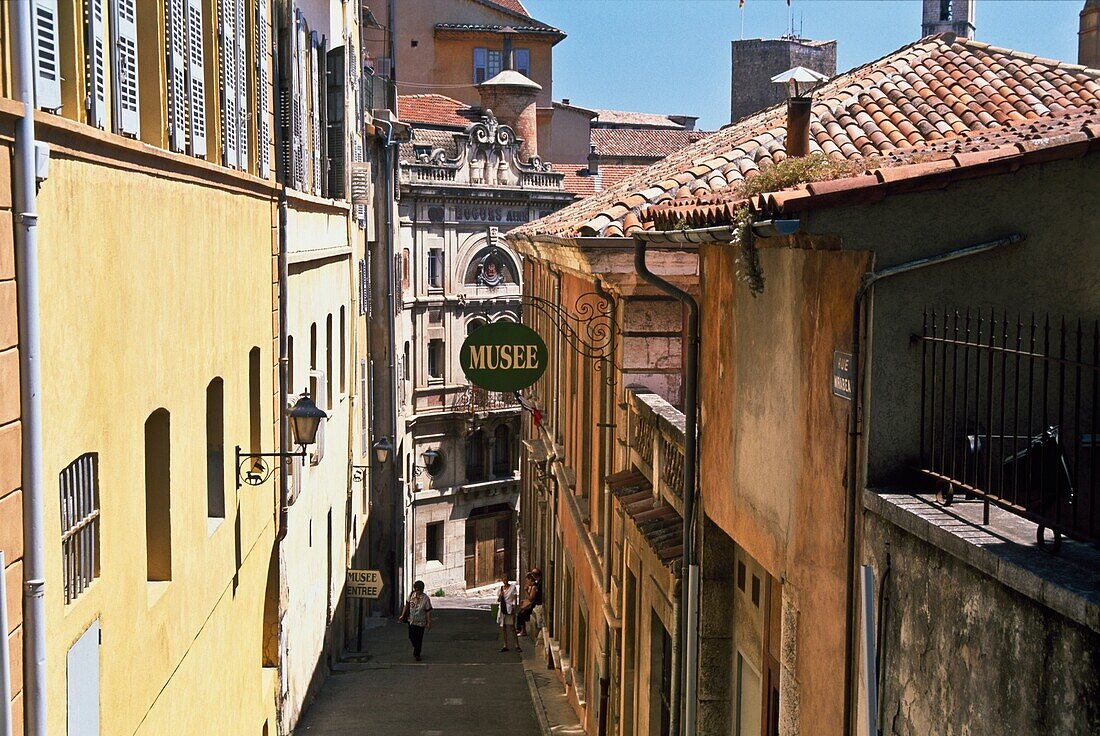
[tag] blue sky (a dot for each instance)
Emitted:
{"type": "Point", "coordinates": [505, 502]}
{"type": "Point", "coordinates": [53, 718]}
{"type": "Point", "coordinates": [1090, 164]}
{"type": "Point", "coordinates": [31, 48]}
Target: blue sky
{"type": "Point", "coordinates": [673, 56]}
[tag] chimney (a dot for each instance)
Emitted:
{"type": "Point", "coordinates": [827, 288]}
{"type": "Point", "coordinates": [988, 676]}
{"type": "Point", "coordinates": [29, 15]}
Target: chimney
{"type": "Point", "coordinates": [1088, 38]}
{"type": "Point", "coordinates": [511, 97]}
{"type": "Point", "coordinates": [799, 83]}
{"type": "Point", "coordinates": [509, 33]}
{"type": "Point", "coordinates": [593, 162]}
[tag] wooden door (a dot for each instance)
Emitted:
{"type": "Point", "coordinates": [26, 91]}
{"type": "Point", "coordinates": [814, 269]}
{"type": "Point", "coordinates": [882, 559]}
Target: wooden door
{"type": "Point", "coordinates": [485, 550]}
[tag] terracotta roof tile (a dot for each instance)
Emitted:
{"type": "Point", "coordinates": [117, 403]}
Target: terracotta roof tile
{"type": "Point", "coordinates": [435, 109]}
{"type": "Point", "coordinates": [659, 524]}
{"type": "Point", "coordinates": [932, 92]}
{"type": "Point", "coordinates": [652, 143]}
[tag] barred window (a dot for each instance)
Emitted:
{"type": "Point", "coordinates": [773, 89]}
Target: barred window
{"type": "Point", "coordinates": [80, 523]}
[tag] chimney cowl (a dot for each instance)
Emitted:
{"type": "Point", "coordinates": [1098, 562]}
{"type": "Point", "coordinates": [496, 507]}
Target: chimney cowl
{"type": "Point", "coordinates": [593, 161]}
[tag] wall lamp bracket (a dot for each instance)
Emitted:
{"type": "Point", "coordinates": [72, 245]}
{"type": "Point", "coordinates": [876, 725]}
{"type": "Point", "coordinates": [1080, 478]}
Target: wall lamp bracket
{"type": "Point", "coordinates": [253, 469]}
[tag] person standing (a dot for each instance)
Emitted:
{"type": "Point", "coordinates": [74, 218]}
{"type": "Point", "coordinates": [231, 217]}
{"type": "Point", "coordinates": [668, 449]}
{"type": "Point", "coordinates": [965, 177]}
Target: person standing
{"type": "Point", "coordinates": [418, 614]}
{"type": "Point", "coordinates": [507, 601]}
{"type": "Point", "coordinates": [526, 605]}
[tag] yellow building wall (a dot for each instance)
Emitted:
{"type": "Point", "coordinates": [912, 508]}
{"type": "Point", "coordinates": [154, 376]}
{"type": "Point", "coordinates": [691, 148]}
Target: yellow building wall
{"type": "Point", "coordinates": [150, 287]}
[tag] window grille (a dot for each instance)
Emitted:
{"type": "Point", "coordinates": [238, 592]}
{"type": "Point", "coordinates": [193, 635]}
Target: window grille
{"type": "Point", "coordinates": [80, 523]}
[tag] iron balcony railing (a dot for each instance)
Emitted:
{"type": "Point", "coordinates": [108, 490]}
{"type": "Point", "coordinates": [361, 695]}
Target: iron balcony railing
{"type": "Point", "coordinates": [1008, 414]}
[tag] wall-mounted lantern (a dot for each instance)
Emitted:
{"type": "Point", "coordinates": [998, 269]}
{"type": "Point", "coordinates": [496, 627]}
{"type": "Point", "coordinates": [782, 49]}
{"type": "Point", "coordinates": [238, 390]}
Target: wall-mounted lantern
{"type": "Point", "coordinates": [305, 419]}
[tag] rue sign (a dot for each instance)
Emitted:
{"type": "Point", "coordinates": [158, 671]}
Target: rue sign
{"type": "Point", "coordinates": [842, 375]}
{"type": "Point", "coordinates": [503, 356]}
{"type": "Point", "coordinates": [363, 584]}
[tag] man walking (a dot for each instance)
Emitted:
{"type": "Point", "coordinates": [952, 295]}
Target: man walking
{"type": "Point", "coordinates": [418, 614]}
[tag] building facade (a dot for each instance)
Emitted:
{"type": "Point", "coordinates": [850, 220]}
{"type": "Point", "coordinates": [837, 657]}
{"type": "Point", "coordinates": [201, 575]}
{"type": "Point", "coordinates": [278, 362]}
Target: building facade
{"type": "Point", "coordinates": [756, 60]}
{"type": "Point", "coordinates": [465, 182]}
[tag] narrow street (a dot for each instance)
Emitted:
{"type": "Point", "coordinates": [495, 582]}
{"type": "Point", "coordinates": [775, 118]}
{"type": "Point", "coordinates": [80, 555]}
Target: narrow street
{"type": "Point", "coordinates": [464, 685]}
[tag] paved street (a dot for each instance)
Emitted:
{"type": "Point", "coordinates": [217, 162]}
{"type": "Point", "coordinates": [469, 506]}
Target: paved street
{"type": "Point", "coordinates": [464, 685]}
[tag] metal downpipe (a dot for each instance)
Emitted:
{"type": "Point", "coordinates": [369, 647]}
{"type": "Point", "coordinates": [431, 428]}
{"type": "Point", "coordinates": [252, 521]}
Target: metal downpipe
{"type": "Point", "coordinates": [25, 217]}
{"type": "Point", "coordinates": [684, 673]}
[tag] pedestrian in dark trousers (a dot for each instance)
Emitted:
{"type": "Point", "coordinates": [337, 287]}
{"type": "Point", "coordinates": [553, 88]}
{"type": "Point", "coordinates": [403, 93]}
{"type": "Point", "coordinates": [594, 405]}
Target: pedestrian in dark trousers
{"type": "Point", "coordinates": [418, 614]}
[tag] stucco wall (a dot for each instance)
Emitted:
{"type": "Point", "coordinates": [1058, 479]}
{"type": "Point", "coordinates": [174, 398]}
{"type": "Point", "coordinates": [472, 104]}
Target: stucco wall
{"type": "Point", "coordinates": [1052, 272]}
{"type": "Point", "coordinates": [773, 441]}
{"type": "Point", "coordinates": [136, 272]}
{"type": "Point", "coordinates": [962, 653]}
{"type": "Point", "coordinates": [570, 138]}
{"type": "Point", "coordinates": [313, 621]}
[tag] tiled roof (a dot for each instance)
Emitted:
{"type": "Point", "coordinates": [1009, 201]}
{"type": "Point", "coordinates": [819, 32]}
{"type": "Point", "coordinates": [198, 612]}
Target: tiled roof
{"type": "Point", "coordinates": [936, 89]}
{"type": "Point", "coordinates": [580, 182]}
{"type": "Point", "coordinates": [659, 523]}
{"type": "Point", "coordinates": [622, 117]}
{"type": "Point", "coordinates": [514, 5]}
{"type": "Point", "coordinates": [435, 110]}
{"type": "Point", "coordinates": [543, 30]}
{"type": "Point", "coordinates": [1002, 150]}
{"type": "Point", "coordinates": [652, 143]}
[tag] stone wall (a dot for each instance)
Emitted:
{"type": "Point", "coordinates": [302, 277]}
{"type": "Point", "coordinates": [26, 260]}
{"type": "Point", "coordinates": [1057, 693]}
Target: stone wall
{"type": "Point", "coordinates": [963, 652]}
{"type": "Point", "coordinates": [757, 60]}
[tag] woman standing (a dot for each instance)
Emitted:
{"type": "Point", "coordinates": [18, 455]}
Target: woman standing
{"type": "Point", "coordinates": [508, 600]}
{"type": "Point", "coordinates": [418, 614]}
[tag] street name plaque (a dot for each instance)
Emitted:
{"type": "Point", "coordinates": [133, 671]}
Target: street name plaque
{"type": "Point", "coordinates": [363, 584]}
{"type": "Point", "coordinates": [842, 375]}
{"type": "Point", "coordinates": [503, 356]}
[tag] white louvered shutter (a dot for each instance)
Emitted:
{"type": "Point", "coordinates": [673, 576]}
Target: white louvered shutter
{"type": "Point", "coordinates": [196, 78]}
{"type": "Point", "coordinates": [95, 55]}
{"type": "Point", "coordinates": [263, 92]}
{"type": "Point", "coordinates": [299, 102]}
{"type": "Point", "coordinates": [227, 75]}
{"type": "Point", "coordinates": [47, 56]}
{"type": "Point", "coordinates": [315, 98]}
{"type": "Point", "coordinates": [124, 68]}
{"type": "Point", "coordinates": [357, 157]}
{"type": "Point", "coordinates": [177, 12]}
{"type": "Point", "coordinates": [242, 85]}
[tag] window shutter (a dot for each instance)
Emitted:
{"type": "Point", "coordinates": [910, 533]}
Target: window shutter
{"type": "Point", "coordinates": [94, 55]}
{"type": "Point", "coordinates": [335, 133]}
{"type": "Point", "coordinates": [263, 90]}
{"type": "Point", "coordinates": [177, 74]}
{"type": "Point", "coordinates": [227, 75]}
{"type": "Point", "coordinates": [357, 157]}
{"type": "Point", "coordinates": [319, 395]}
{"type": "Point", "coordinates": [196, 80]}
{"type": "Point", "coordinates": [242, 86]}
{"type": "Point", "coordinates": [47, 56]}
{"type": "Point", "coordinates": [298, 127]}
{"type": "Point", "coordinates": [364, 296]}
{"type": "Point", "coordinates": [124, 69]}
{"type": "Point", "coordinates": [314, 115]}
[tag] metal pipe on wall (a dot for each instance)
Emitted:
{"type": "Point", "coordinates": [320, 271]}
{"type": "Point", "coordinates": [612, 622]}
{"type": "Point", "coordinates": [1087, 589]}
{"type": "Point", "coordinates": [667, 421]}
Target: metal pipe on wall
{"type": "Point", "coordinates": [5, 654]}
{"type": "Point", "coordinates": [24, 199]}
{"type": "Point", "coordinates": [684, 673]}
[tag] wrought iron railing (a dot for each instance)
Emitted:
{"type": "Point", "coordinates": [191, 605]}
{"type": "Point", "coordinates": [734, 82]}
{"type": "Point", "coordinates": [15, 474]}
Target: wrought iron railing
{"type": "Point", "coordinates": [475, 399]}
{"type": "Point", "coordinates": [1008, 414]}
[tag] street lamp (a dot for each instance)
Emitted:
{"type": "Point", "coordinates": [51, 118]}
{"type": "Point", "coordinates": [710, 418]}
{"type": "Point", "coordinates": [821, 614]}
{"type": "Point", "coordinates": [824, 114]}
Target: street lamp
{"type": "Point", "coordinates": [382, 450]}
{"type": "Point", "coordinates": [432, 458]}
{"type": "Point", "coordinates": [305, 419]}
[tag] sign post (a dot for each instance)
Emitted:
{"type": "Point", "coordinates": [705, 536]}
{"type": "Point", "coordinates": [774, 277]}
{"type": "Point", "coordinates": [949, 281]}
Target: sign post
{"type": "Point", "coordinates": [362, 584]}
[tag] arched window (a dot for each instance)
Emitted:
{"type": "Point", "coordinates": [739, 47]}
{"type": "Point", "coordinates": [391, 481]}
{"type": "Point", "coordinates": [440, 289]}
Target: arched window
{"type": "Point", "coordinates": [502, 451]}
{"type": "Point", "coordinates": [491, 267]}
{"type": "Point", "coordinates": [475, 456]}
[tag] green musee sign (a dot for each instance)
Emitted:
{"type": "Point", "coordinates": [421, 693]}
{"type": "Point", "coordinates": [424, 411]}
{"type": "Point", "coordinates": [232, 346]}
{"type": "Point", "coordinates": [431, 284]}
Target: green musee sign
{"type": "Point", "coordinates": [503, 356]}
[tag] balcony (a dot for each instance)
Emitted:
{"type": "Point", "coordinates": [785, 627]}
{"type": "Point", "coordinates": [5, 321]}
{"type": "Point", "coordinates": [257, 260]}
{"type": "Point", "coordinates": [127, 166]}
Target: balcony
{"type": "Point", "coordinates": [1008, 417]}
{"type": "Point", "coordinates": [655, 431]}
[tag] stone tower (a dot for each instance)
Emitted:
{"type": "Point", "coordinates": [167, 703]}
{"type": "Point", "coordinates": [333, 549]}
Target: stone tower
{"type": "Point", "coordinates": [955, 16]}
{"type": "Point", "coordinates": [756, 60]}
{"type": "Point", "coordinates": [1088, 40]}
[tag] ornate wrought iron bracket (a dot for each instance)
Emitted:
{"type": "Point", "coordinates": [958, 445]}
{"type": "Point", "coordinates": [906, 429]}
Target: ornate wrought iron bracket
{"type": "Point", "coordinates": [588, 329]}
{"type": "Point", "coordinates": [258, 470]}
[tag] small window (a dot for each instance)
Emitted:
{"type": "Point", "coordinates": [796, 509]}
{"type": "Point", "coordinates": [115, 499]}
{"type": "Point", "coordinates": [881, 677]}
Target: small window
{"type": "Point", "coordinates": [487, 64]}
{"type": "Point", "coordinates": [435, 268]}
{"type": "Point", "coordinates": [343, 353]}
{"type": "Point", "coordinates": [215, 449]}
{"type": "Point", "coordinates": [290, 363]}
{"type": "Point", "coordinates": [434, 541]}
{"type": "Point", "coordinates": [328, 361]}
{"type": "Point", "coordinates": [313, 347]}
{"type": "Point", "coordinates": [502, 451]}
{"type": "Point", "coordinates": [522, 58]}
{"type": "Point", "coordinates": [80, 523]}
{"type": "Point", "coordinates": [475, 456]}
{"type": "Point", "coordinates": [158, 496]}
{"type": "Point", "coordinates": [435, 359]}
{"type": "Point", "coordinates": [405, 365]}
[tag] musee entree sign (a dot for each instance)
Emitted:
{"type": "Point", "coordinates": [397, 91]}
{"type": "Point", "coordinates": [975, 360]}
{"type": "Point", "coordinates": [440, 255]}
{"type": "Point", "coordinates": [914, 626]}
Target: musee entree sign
{"type": "Point", "coordinates": [503, 356]}
{"type": "Point", "coordinates": [364, 584]}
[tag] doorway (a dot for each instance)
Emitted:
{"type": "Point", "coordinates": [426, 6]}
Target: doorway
{"type": "Point", "coordinates": [488, 543]}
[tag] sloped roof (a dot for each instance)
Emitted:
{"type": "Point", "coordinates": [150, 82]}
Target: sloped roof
{"type": "Point", "coordinates": [435, 109]}
{"type": "Point", "coordinates": [1059, 136]}
{"type": "Point", "coordinates": [514, 6]}
{"type": "Point", "coordinates": [659, 524]}
{"type": "Point", "coordinates": [936, 89]}
{"type": "Point", "coordinates": [642, 142]}
{"type": "Point", "coordinates": [623, 117]}
{"type": "Point", "coordinates": [580, 182]}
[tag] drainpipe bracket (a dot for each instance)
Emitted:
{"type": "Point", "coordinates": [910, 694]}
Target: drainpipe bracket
{"type": "Point", "coordinates": [27, 219]}
{"type": "Point", "coordinates": [34, 588]}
